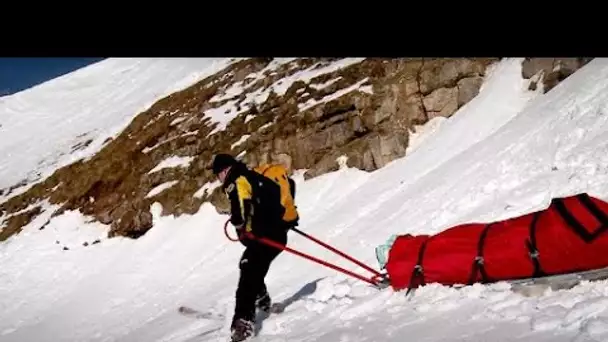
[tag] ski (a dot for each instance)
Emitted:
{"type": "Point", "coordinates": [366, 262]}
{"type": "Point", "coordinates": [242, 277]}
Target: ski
{"type": "Point", "coordinates": [277, 308]}
{"type": "Point", "coordinates": [187, 311]}
{"type": "Point", "coordinates": [194, 313]}
{"type": "Point", "coordinates": [537, 286]}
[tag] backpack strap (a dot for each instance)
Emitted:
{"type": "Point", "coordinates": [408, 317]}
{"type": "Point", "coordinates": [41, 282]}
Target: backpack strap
{"type": "Point", "coordinates": [292, 187]}
{"type": "Point", "coordinates": [261, 169]}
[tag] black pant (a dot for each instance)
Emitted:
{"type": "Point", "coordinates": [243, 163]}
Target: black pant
{"type": "Point", "coordinates": [254, 265]}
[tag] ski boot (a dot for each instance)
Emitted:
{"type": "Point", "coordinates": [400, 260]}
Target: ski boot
{"type": "Point", "coordinates": [241, 330]}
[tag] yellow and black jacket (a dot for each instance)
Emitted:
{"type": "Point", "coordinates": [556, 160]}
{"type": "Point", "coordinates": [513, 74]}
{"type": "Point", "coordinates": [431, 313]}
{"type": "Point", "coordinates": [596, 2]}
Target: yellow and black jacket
{"type": "Point", "coordinates": [254, 201]}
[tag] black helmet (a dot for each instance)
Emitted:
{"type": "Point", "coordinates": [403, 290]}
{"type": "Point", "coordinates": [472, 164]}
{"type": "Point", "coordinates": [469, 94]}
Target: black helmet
{"type": "Point", "coordinates": [222, 161]}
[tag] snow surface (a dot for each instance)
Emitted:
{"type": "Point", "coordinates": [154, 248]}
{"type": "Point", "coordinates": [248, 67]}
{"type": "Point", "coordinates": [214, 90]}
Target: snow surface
{"type": "Point", "coordinates": [207, 188]}
{"type": "Point", "coordinates": [421, 132]}
{"type": "Point", "coordinates": [243, 138]}
{"type": "Point", "coordinates": [42, 126]}
{"type": "Point", "coordinates": [504, 154]}
{"type": "Point", "coordinates": [173, 161]}
{"type": "Point", "coordinates": [148, 149]}
{"type": "Point", "coordinates": [160, 188]}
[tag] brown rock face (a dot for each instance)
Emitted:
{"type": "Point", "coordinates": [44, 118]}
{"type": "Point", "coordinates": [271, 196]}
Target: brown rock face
{"type": "Point", "coordinates": [550, 71]}
{"type": "Point", "coordinates": [363, 110]}
{"type": "Point", "coordinates": [372, 129]}
{"type": "Point", "coordinates": [441, 102]}
{"type": "Point", "coordinates": [445, 73]}
{"type": "Point", "coordinates": [133, 223]}
{"type": "Point", "coordinates": [468, 88]}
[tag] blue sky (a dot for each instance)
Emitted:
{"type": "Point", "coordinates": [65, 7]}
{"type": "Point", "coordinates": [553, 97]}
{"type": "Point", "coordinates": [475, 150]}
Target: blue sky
{"type": "Point", "coordinates": [17, 74]}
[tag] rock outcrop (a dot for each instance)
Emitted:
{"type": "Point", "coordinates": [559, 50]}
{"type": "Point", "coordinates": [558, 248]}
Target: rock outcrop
{"type": "Point", "coordinates": [304, 113]}
{"type": "Point", "coordinates": [550, 71]}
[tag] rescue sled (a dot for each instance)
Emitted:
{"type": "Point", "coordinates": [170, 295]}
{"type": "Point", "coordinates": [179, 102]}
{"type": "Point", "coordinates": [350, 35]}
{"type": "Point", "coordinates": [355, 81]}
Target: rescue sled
{"type": "Point", "coordinates": [555, 247]}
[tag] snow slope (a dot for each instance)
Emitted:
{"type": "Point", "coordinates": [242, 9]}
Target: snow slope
{"type": "Point", "coordinates": [42, 126]}
{"type": "Point", "coordinates": [506, 153]}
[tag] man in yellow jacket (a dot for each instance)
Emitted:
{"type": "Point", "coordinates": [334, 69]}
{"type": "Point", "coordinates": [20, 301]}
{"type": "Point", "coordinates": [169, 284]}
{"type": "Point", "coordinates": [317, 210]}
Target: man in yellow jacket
{"type": "Point", "coordinates": [255, 204]}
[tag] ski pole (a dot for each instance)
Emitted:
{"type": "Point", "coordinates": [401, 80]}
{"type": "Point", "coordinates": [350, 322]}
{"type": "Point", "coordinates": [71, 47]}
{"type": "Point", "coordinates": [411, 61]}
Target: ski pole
{"type": "Point", "coordinates": [378, 274]}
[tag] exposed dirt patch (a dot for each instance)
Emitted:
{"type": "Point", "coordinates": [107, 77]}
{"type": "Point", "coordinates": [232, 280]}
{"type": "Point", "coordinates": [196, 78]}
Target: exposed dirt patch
{"type": "Point", "coordinates": [15, 223]}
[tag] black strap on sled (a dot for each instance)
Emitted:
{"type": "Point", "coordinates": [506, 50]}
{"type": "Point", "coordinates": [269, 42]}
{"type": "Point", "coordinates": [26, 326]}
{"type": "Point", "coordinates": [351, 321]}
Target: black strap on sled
{"type": "Point", "coordinates": [594, 210]}
{"type": "Point", "coordinates": [478, 262]}
{"type": "Point", "coordinates": [533, 248]}
{"type": "Point", "coordinates": [417, 278]}
{"type": "Point", "coordinates": [576, 226]}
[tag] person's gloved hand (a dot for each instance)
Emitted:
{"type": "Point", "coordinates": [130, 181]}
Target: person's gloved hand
{"type": "Point", "coordinates": [241, 233]}
{"type": "Point", "coordinates": [240, 230]}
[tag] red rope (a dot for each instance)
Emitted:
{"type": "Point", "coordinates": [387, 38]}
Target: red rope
{"type": "Point", "coordinates": [226, 232]}
{"type": "Point", "coordinates": [338, 252]}
{"type": "Point", "coordinates": [309, 257]}
{"type": "Point", "coordinates": [375, 280]}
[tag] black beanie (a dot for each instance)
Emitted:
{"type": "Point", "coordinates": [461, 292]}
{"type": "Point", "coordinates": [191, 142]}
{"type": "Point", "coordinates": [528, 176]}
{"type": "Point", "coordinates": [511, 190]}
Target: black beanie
{"type": "Point", "coordinates": [222, 161]}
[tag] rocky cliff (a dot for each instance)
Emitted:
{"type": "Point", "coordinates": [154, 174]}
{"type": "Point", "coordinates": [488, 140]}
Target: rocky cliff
{"type": "Point", "coordinates": [304, 113]}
